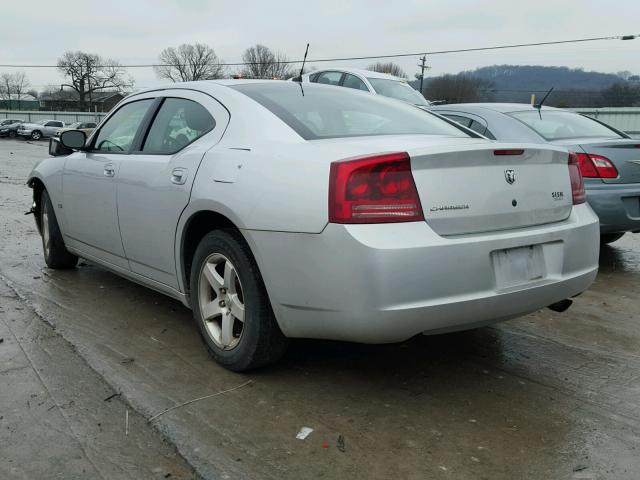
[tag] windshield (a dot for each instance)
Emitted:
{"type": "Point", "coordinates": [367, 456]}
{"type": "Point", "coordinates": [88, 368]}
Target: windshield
{"type": "Point", "coordinates": [75, 125]}
{"type": "Point", "coordinates": [398, 90]}
{"type": "Point", "coordinates": [41, 122]}
{"type": "Point", "coordinates": [319, 111]}
{"type": "Point", "coordinates": [558, 125]}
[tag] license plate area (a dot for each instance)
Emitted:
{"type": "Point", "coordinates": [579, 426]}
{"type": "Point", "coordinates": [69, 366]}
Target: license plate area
{"type": "Point", "coordinates": [518, 266]}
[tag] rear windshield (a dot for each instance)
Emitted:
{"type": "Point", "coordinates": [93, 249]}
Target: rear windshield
{"type": "Point", "coordinates": [319, 111]}
{"type": "Point", "coordinates": [558, 125]}
{"type": "Point", "coordinates": [398, 90]}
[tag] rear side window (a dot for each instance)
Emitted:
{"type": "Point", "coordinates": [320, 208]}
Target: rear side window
{"type": "Point", "coordinates": [117, 134]}
{"type": "Point", "coordinates": [558, 125]}
{"type": "Point", "coordinates": [178, 123]}
{"type": "Point", "coordinates": [329, 78]}
{"type": "Point", "coordinates": [316, 112]}
{"type": "Point", "coordinates": [457, 118]}
{"type": "Point", "coordinates": [351, 81]}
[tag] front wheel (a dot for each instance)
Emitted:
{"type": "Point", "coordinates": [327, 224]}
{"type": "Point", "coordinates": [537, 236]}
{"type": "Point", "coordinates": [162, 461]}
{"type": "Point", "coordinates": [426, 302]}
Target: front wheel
{"type": "Point", "coordinates": [36, 135]}
{"type": "Point", "coordinates": [231, 305]}
{"type": "Point", "coordinates": [610, 237]}
{"type": "Point", "coordinates": [56, 254]}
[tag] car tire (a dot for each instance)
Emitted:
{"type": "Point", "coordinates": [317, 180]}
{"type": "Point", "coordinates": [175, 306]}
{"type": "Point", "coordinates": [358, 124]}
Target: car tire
{"type": "Point", "coordinates": [12, 134]}
{"type": "Point", "coordinates": [607, 238]}
{"type": "Point", "coordinates": [56, 254]}
{"type": "Point", "coordinates": [36, 135]}
{"type": "Point", "coordinates": [225, 280]}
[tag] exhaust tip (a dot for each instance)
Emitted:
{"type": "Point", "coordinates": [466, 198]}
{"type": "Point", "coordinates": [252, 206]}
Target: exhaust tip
{"type": "Point", "coordinates": [561, 306]}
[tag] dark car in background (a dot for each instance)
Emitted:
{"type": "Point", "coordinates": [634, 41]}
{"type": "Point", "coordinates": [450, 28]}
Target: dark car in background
{"type": "Point", "coordinates": [9, 127]}
{"type": "Point", "coordinates": [608, 158]}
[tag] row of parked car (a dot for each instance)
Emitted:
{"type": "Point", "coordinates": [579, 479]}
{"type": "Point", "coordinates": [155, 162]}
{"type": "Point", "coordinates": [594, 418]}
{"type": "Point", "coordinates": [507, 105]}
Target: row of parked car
{"type": "Point", "coordinates": [13, 127]}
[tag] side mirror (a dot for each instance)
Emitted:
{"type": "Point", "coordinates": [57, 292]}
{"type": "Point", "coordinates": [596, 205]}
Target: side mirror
{"type": "Point", "coordinates": [73, 139]}
{"type": "Point", "coordinates": [56, 149]}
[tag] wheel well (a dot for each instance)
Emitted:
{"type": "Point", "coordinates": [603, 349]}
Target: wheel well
{"type": "Point", "coordinates": [38, 187]}
{"type": "Point", "coordinates": [196, 228]}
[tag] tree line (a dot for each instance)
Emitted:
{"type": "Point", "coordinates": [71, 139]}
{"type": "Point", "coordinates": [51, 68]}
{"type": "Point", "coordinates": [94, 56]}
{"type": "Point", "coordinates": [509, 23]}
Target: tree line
{"type": "Point", "coordinates": [87, 75]}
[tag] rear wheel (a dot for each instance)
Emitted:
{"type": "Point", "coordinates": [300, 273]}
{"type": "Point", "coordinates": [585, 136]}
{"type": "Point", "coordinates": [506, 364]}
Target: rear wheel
{"type": "Point", "coordinates": [12, 134]}
{"type": "Point", "coordinates": [610, 237]}
{"type": "Point", "coordinates": [56, 254]}
{"type": "Point", "coordinates": [231, 306]}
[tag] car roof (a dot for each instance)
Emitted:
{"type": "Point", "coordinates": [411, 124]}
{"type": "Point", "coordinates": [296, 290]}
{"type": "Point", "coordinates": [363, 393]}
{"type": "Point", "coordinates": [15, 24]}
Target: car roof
{"type": "Point", "coordinates": [496, 107]}
{"type": "Point", "coordinates": [359, 71]}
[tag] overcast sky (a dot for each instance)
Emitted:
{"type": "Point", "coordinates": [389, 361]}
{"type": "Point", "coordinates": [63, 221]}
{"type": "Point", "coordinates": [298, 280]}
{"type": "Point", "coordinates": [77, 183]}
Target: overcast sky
{"type": "Point", "coordinates": [135, 31]}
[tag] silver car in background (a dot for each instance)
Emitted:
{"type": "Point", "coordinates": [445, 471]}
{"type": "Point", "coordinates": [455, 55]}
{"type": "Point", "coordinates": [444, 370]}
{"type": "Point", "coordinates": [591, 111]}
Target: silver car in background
{"type": "Point", "coordinates": [281, 209]}
{"type": "Point", "coordinates": [609, 159]}
{"type": "Point", "coordinates": [39, 129]}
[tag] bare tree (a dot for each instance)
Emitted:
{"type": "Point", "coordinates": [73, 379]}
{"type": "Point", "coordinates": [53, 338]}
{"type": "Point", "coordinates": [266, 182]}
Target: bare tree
{"type": "Point", "coordinates": [261, 62]}
{"type": "Point", "coordinates": [13, 86]}
{"type": "Point", "coordinates": [388, 67]}
{"type": "Point", "coordinates": [88, 73]}
{"type": "Point", "coordinates": [189, 62]}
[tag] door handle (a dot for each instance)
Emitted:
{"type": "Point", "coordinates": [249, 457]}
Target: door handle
{"type": "Point", "coordinates": [179, 176]}
{"type": "Point", "coordinates": [109, 171]}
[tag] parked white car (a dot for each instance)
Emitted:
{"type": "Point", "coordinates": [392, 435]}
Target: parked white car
{"type": "Point", "coordinates": [301, 210]}
{"type": "Point", "coordinates": [40, 129]}
{"type": "Point", "coordinates": [368, 81]}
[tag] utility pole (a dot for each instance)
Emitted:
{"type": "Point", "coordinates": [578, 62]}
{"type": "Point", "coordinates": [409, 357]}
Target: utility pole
{"type": "Point", "coordinates": [423, 66]}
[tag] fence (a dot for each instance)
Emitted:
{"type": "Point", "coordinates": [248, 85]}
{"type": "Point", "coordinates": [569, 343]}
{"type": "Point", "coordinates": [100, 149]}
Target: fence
{"type": "Point", "coordinates": [66, 117]}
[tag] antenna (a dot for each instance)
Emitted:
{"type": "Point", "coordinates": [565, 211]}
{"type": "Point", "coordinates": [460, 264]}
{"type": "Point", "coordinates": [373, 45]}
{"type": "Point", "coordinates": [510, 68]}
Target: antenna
{"type": "Point", "coordinates": [299, 77]}
{"type": "Point", "coordinates": [539, 104]}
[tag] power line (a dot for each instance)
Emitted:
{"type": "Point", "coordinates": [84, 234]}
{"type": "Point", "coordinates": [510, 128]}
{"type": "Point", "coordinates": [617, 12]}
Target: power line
{"type": "Point", "coordinates": [368, 57]}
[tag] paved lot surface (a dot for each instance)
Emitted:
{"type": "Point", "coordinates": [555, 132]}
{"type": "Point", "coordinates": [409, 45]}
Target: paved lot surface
{"type": "Point", "coordinates": [545, 396]}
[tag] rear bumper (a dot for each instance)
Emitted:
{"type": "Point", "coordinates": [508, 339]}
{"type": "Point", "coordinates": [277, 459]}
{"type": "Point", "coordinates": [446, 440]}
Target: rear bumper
{"type": "Point", "coordinates": [387, 283]}
{"type": "Point", "coordinates": [617, 206]}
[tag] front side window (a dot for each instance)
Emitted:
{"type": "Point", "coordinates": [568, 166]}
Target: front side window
{"type": "Point", "coordinates": [398, 90]}
{"type": "Point", "coordinates": [118, 133]}
{"type": "Point", "coordinates": [317, 112]}
{"type": "Point", "coordinates": [558, 125]}
{"type": "Point", "coordinates": [351, 81]}
{"type": "Point", "coordinates": [178, 123]}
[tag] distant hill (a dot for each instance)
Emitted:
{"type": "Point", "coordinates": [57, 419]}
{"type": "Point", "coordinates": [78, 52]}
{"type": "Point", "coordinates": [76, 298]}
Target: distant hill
{"type": "Point", "coordinates": [516, 83]}
{"type": "Point", "coordinates": [534, 77]}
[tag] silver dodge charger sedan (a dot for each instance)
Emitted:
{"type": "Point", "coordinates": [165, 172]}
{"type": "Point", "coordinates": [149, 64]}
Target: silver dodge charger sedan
{"type": "Point", "coordinates": [278, 210]}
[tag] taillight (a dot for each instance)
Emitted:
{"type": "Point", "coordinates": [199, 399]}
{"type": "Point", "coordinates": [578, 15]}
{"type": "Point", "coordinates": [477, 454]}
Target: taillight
{"type": "Point", "coordinates": [596, 166]}
{"type": "Point", "coordinates": [577, 184]}
{"type": "Point", "coordinates": [373, 189]}
{"type": "Point", "coordinates": [513, 151]}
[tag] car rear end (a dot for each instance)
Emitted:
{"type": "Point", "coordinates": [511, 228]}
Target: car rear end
{"type": "Point", "coordinates": [435, 239]}
{"type": "Point", "coordinates": [611, 169]}
{"type": "Point", "coordinates": [417, 226]}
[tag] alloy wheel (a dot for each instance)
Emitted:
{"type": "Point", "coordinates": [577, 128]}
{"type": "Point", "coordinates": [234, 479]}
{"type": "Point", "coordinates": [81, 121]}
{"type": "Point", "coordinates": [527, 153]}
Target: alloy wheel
{"type": "Point", "coordinates": [221, 301]}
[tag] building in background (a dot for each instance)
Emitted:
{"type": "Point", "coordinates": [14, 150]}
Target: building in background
{"type": "Point", "coordinates": [68, 101]}
{"type": "Point", "coordinates": [24, 102]}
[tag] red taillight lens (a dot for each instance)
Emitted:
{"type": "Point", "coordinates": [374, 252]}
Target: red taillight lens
{"type": "Point", "coordinates": [375, 189]}
{"type": "Point", "coordinates": [596, 166]}
{"type": "Point", "coordinates": [514, 151]}
{"type": "Point", "coordinates": [577, 184]}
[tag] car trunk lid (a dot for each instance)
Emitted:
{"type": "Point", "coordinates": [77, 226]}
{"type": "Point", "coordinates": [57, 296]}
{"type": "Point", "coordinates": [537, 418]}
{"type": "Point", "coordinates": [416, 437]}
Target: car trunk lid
{"type": "Point", "coordinates": [475, 189]}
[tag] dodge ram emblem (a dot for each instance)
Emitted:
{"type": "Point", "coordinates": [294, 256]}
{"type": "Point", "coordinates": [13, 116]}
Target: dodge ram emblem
{"type": "Point", "coordinates": [510, 176]}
